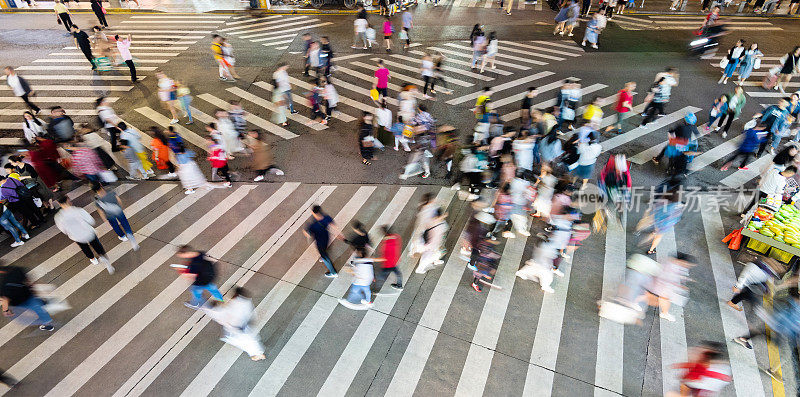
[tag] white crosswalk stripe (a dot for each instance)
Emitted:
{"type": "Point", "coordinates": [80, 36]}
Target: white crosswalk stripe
{"type": "Point", "coordinates": [688, 22]}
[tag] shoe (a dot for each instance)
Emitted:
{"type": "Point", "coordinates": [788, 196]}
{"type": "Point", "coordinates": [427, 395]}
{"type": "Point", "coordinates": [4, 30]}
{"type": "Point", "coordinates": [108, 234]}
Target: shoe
{"type": "Point", "coordinates": [583, 43]}
{"type": "Point", "coordinates": [26, 236]}
{"type": "Point", "coordinates": [667, 316]}
{"type": "Point", "coordinates": [734, 306]}
{"type": "Point", "coordinates": [191, 305]}
{"type": "Point", "coordinates": [331, 275]}
{"type": "Point", "coordinates": [228, 184]}
{"type": "Point", "coordinates": [438, 262]}
{"type": "Point", "coordinates": [105, 261]}
{"type": "Point", "coordinates": [366, 302]}
{"type": "Point", "coordinates": [174, 121]}
{"type": "Point", "coordinates": [548, 289]}
{"type": "Point", "coordinates": [425, 176]}
{"type": "Point", "coordinates": [477, 287]}
{"type": "Point", "coordinates": [16, 244]}
{"type": "Point", "coordinates": [293, 112]}
{"type": "Point", "coordinates": [188, 191]}
{"type": "Point", "coordinates": [724, 134]}
{"type": "Point", "coordinates": [134, 244]}
{"type": "Point", "coordinates": [771, 151]}
{"type": "Point", "coordinates": [744, 168]}
{"type": "Point", "coordinates": [258, 178]}
{"type": "Point", "coordinates": [123, 238]}
{"type": "Point", "coordinates": [525, 233]}
{"type": "Point", "coordinates": [509, 235]}
{"type": "Point", "coordinates": [94, 261]}
{"type": "Point", "coordinates": [558, 273]}
{"type": "Point", "coordinates": [397, 286]}
{"type": "Point", "coordinates": [190, 122]}
{"type": "Point", "coordinates": [47, 327]}
{"type": "Point", "coordinates": [570, 35]}
{"type": "Point", "coordinates": [744, 342]}
{"type": "Point", "coordinates": [595, 46]}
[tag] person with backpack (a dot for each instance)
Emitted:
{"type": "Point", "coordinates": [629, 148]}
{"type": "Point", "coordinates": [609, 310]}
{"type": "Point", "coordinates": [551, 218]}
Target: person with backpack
{"type": "Point", "coordinates": [78, 225]}
{"type": "Point", "coordinates": [202, 273]}
{"type": "Point", "coordinates": [20, 199]}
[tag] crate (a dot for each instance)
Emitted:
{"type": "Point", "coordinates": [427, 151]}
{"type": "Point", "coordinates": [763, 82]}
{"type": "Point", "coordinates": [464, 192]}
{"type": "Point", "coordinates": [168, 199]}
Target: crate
{"type": "Point", "coordinates": [758, 246]}
{"type": "Point", "coordinates": [780, 255]}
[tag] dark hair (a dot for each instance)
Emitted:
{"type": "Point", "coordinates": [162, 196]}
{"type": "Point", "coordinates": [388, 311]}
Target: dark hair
{"type": "Point", "coordinates": [240, 291]}
{"type": "Point", "coordinates": [122, 126]}
{"type": "Point", "coordinates": [15, 158]}
{"type": "Point", "coordinates": [61, 200]}
{"type": "Point", "coordinates": [96, 187]}
{"type": "Point", "coordinates": [487, 88]}
{"type": "Point", "coordinates": [317, 210]}
{"type": "Point", "coordinates": [439, 211]}
{"type": "Point", "coordinates": [116, 37]}
{"type": "Point", "coordinates": [8, 166]}
{"type": "Point", "coordinates": [791, 168]}
{"type": "Point", "coordinates": [531, 88]}
{"type": "Point", "coordinates": [158, 133]}
{"type": "Point", "coordinates": [422, 107]}
{"type": "Point", "coordinates": [34, 119]}
{"type": "Point", "coordinates": [427, 197]}
{"type": "Point", "coordinates": [124, 142]}
{"type": "Point", "coordinates": [214, 36]}
{"type": "Point", "coordinates": [185, 248]}
{"type": "Point", "coordinates": [362, 252]}
{"type": "Point", "coordinates": [386, 229]}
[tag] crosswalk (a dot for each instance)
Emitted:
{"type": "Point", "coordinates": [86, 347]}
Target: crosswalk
{"type": "Point", "coordinates": [518, 4]}
{"type": "Point", "coordinates": [128, 335]}
{"type": "Point", "coordinates": [64, 77]}
{"type": "Point", "coordinates": [688, 22]}
{"type": "Point", "coordinates": [276, 31]}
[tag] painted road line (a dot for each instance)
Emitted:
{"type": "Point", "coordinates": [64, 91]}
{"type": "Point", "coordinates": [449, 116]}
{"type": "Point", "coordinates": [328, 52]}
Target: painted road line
{"type": "Point", "coordinates": [296, 347]}
{"type": "Point", "coordinates": [144, 48]}
{"type": "Point", "coordinates": [513, 115]}
{"type": "Point", "coordinates": [552, 102]}
{"type": "Point", "coordinates": [51, 68]}
{"type": "Point", "coordinates": [638, 132]}
{"type": "Point", "coordinates": [394, 74]}
{"type": "Point", "coordinates": [252, 20]}
{"type": "Point", "coordinates": [278, 43]}
{"type": "Point", "coordinates": [758, 84]}
{"type": "Point", "coordinates": [101, 230]}
{"type": "Point", "coordinates": [355, 88]}
{"type": "Point", "coordinates": [754, 169]}
{"type": "Point", "coordinates": [276, 28]}
{"type": "Point", "coordinates": [239, 29]}
{"type": "Point", "coordinates": [366, 77]}
{"type": "Point", "coordinates": [75, 87]}
{"type": "Point", "coordinates": [648, 154]}
{"type": "Point", "coordinates": [76, 77]}
{"type": "Point", "coordinates": [224, 359]}
{"type": "Point", "coordinates": [114, 344]}
{"type": "Point", "coordinates": [416, 69]}
{"type": "Point", "coordinates": [673, 333]}
{"type": "Point", "coordinates": [281, 38]}
{"type": "Point", "coordinates": [337, 115]}
{"type": "Point", "coordinates": [763, 94]}
{"type": "Point", "coordinates": [270, 106]}
{"type": "Point", "coordinates": [719, 57]}
{"type": "Point", "coordinates": [501, 55]}
{"type": "Point", "coordinates": [572, 46]}
{"type": "Point", "coordinates": [465, 63]}
{"type": "Point", "coordinates": [78, 60]}
{"type": "Point", "coordinates": [714, 154]}
{"type": "Point", "coordinates": [179, 17]}
{"type": "Point", "coordinates": [455, 53]}
{"type": "Point", "coordinates": [70, 112]}
{"type": "Point", "coordinates": [532, 54]}
{"type": "Point", "coordinates": [11, 141]}
{"type": "Point", "coordinates": [476, 369]}
{"type": "Point", "coordinates": [158, 31]}
{"type": "Point", "coordinates": [444, 67]}
{"type": "Point", "coordinates": [350, 361]}
{"type": "Point", "coordinates": [609, 120]}
{"type": "Point", "coordinates": [500, 87]}
{"type": "Point", "coordinates": [308, 86]}
{"type": "Point", "coordinates": [693, 27]}
{"type": "Point", "coordinates": [298, 30]}
{"type": "Point", "coordinates": [135, 53]}
{"type": "Point", "coordinates": [266, 125]}
{"type": "Point", "coordinates": [57, 99]}
{"type": "Point", "coordinates": [144, 21]}
{"type": "Point", "coordinates": [744, 367]}
{"type": "Point", "coordinates": [184, 132]}
{"type": "Point", "coordinates": [151, 369]}
{"type": "Point", "coordinates": [608, 367]}
{"type": "Point", "coordinates": [182, 40]}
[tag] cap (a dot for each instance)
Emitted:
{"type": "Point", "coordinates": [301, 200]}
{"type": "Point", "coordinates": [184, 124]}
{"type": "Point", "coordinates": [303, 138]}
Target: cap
{"type": "Point", "coordinates": [690, 118]}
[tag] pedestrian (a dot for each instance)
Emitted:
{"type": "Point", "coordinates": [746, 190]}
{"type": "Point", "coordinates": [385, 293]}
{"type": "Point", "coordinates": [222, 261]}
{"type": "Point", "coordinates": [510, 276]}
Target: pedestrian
{"type": "Point", "coordinates": [567, 103]}
{"type": "Point", "coordinates": [262, 159]}
{"type": "Point", "coordinates": [748, 146]}
{"type": "Point", "coordinates": [109, 119]}
{"type": "Point", "coordinates": [319, 230]}
{"type": "Point", "coordinates": [479, 44]}
{"type": "Point", "coordinates": [425, 213]}
{"type": "Point", "coordinates": [383, 121]}
{"type": "Point", "coordinates": [659, 94]}
{"type": "Point", "coordinates": [313, 58]}
{"type": "Point", "coordinates": [491, 51]}
{"type": "Point", "coordinates": [12, 226]}
{"type": "Point", "coordinates": [719, 108]}
{"type": "Point", "coordinates": [751, 60]}
{"type": "Point", "coordinates": [281, 78]}
{"type": "Point", "coordinates": [432, 237]}
{"type": "Point", "coordinates": [390, 247]}
{"type": "Point", "coordinates": [366, 142]}
{"type": "Point", "coordinates": [482, 103]}
{"type": "Point", "coordinates": [237, 117]}
{"type": "Point", "coordinates": [526, 106]}
{"type": "Point", "coordinates": [790, 65]}
{"type": "Point", "coordinates": [667, 287]}
{"type": "Point", "coordinates": [16, 296]}
{"type": "Point", "coordinates": [219, 160]}
{"type": "Point", "coordinates": [230, 61]}
{"type": "Point", "coordinates": [109, 207]}
{"type": "Point", "coordinates": [593, 113]}
{"type": "Point", "coordinates": [705, 373]}
{"type": "Point", "coordinates": [235, 317]}
{"type": "Point", "coordinates": [781, 322]}
{"type": "Point", "coordinates": [381, 82]}
{"type": "Point", "coordinates": [61, 128]}
{"type": "Point", "coordinates": [78, 225]}
{"type": "Point", "coordinates": [408, 23]}
{"type": "Point", "coordinates": [587, 157]}
{"type": "Point", "coordinates": [189, 173]}
{"type": "Point", "coordinates": [664, 215]}
{"type": "Point", "coordinates": [217, 49]}
{"type": "Point", "coordinates": [99, 12]}
{"type": "Point", "coordinates": [731, 61]}
{"type": "Point", "coordinates": [325, 55]}
{"type": "Point", "coordinates": [359, 296]}
{"type": "Point", "coordinates": [124, 49]}
{"type": "Point", "coordinates": [279, 114]}
{"type": "Point", "coordinates": [201, 272]}
{"type": "Point", "coordinates": [593, 29]}
{"type": "Point", "coordinates": [32, 127]}
{"type": "Point", "coordinates": [360, 32]}
{"type": "Point", "coordinates": [28, 175]}
{"type": "Point", "coordinates": [331, 97]}
{"type": "Point", "coordinates": [503, 206]}
{"type": "Point", "coordinates": [372, 37]}
{"type": "Point", "coordinates": [427, 74]}
{"type": "Point", "coordinates": [735, 103]}
{"type": "Point", "coordinates": [20, 87]}
{"type": "Point", "coordinates": [388, 29]}
{"type": "Point", "coordinates": [773, 183]}
{"type": "Point", "coordinates": [774, 118]}
{"type": "Point", "coordinates": [82, 42]}
{"type": "Point", "coordinates": [158, 145]}
{"type": "Point", "coordinates": [62, 15]}
{"type": "Point", "coordinates": [567, 18]}
{"type": "Point", "coordinates": [134, 139]}
{"type": "Point", "coordinates": [753, 282]}
{"type": "Point", "coordinates": [168, 95]}
{"type": "Point", "coordinates": [184, 99]}
{"type": "Point", "coordinates": [20, 199]}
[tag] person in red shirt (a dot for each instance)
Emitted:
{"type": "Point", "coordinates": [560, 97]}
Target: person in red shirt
{"type": "Point", "coordinates": [219, 160]}
{"type": "Point", "coordinates": [705, 373]}
{"type": "Point", "coordinates": [381, 80]}
{"type": "Point", "coordinates": [624, 105]}
{"type": "Point", "coordinates": [390, 253]}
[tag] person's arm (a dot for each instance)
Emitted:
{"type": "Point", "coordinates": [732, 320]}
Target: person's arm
{"type": "Point", "coordinates": [4, 304]}
{"type": "Point", "coordinates": [86, 217]}
{"type": "Point", "coordinates": [375, 83]}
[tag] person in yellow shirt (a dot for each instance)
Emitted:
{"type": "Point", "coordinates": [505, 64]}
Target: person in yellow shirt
{"type": "Point", "coordinates": [482, 102]}
{"type": "Point", "coordinates": [593, 112]}
{"type": "Point", "coordinates": [217, 43]}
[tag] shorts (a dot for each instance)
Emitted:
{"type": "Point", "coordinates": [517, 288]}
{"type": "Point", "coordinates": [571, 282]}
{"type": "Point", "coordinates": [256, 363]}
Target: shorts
{"type": "Point", "coordinates": [383, 91]}
{"type": "Point", "coordinates": [387, 36]}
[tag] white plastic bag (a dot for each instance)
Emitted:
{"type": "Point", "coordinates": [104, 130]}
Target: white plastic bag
{"type": "Point", "coordinates": [757, 64]}
{"type": "Point", "coordinates": [38, 202]}
{"type": "Point", "coordinates": [108, 176]}
{"type": "Point", "coordinates": [723, 63]}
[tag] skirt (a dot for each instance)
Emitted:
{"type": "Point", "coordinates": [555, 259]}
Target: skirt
{"type": "Point", "coordinates": [583, 171]}
{"type": "Point", "coordinates": [190, 175]}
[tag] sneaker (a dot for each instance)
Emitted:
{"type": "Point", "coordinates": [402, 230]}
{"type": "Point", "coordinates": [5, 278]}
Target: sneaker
{"type": "Point", "coordinates": [667, 316]}
{"type": "Point", "coordinates": [595, 46]}
{"type": "Point", "coordinates": [744, 168]}
{"type": "Point", "coordinates": [331, 275]}
{"type": "Point", "coordinates": [525, 233]}
{"type": "Point", "coordinates": [174, 121]}
{"type": "Point", "coordinates": [123, 238]}
{"type": "Point", "coordinates": [724, 134]}
{"type": "Point", "coordinates": [744, 342]}
{"type": "Point", "coordinates": [425, 176]}
{"type": "Point", "coordinates": [771, 151]}
{"type": "Point", "coordinates": [26, 236]}
{"type": "Point", "coordinates": [278, 172]}
{"type": "Point", "coordinates": [170, 175]}
{"type": "Point", "coordinates": [94, 261]}
{"type": "Point", "coordinates": [188, 191]}
{"type": "Point", "coordinates": [477, 287]}
{"type": "Point", "coordinates": [366, 302]}
{"type": "Point", "coordinates": [509, 235]}
{"type": "Point", "coordinates": [258, 178]}
{"type": "Point", "coordinates": [228, 184]}
{"type": "Point", "coordinates": [558, 273]}
{"type": "Point", "coordinates": [571, 34]}
{"type": "Point", "coordinates": [191, 305]}
{"type": "Point", "coordinates": [134, 244]}
{"type": "Point", "coordinates": [109, 268]}
{"type": "Point", "coordinates": [455, 187]}
{"type": "Point", "coordinates": [397, 286]}
{"type": "Point", "coordinates": [16, 244]}
{"type": "Point", "coordinates": [548, 289]}
{"type": "Point", "coordinates": [47, 327]}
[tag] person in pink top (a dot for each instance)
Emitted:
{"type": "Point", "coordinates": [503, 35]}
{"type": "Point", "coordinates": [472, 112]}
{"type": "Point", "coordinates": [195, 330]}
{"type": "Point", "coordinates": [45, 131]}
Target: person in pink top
{"type": "Point", "coordinates": [124, 48]}
{"type": "Point", "coordinates": [387, 33]}
{"type": "Point", "coordinates": [624, 105]}
{"type": "Point", "coordinates": [381, 80]}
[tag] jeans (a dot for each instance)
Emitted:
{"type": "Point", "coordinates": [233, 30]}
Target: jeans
{"type": "Point", "coordinates": [323, 253]}
{"type": "Point", "coordinates": [36, 305]}
{"type": "Point", "coordinates": [120, 224]}
{"type": "Point", "coordinates": [186, 101]}
{"type": "Point", "coordinates": [386, 271]}
{"type": "Point", "coordinates": [288, 94]}
{"type": "Point", "coordinates": [359, 293]}
{"type": "Point", "coordinates": [197, 293]}
{"type": "Point", "coordinates": [10, 223]}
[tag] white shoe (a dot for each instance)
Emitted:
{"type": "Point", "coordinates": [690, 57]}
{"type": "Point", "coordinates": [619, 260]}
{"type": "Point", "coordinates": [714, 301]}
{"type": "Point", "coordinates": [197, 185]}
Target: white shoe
{"type": "Point", "coordinates": [123, 238]}
{"type": "Point", "coordinates": [595, 46]}
{"type": "Point", "coordinates": [472, 197]}
{"type": "Point", "coordinates": [258, 178]}
{"type": "Point", "coordinates": [134, 244]}
{"type": "Point", "coordinates": [168, 176]}
{"type": "Point", "coordinates": [716, 128]}
{"type": "Point", "coordinates": [278, 172]}
{"type": "Point", "coordinates": [570, 35]}
{"type": "Point", "coordinates": [667, 316]}
{"type": "Point", "coordinates": [94, 261]}
{"type": "Point", "coordinates": [509, 235]}
{"type": "Point", "coordinates": [558, 273]}
{"type": "Point", "coordinates": [438, 262]}
{"type": "Point", "coordinates": [188, 191]}
{"type": "Point", "coordinates": [724, 134]}
{"type": "Point", "coordinates": [525, 233]}
{"type": "Point", "coordinates": [174, 121]}
{"type": "Point", "coordinates": [16, 244]}
{"type": "Point", "coordinates": [548, 289]}
{"type": "Point", "coordinates": [455, 187]}
{"type": "Point", "coordinates": [150, 172]}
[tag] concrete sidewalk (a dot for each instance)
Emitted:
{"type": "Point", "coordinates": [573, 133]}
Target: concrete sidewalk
{"type": "Point", "coordinates": [693, 7]}
{"type": "Point", "coordinates": [172, 6]}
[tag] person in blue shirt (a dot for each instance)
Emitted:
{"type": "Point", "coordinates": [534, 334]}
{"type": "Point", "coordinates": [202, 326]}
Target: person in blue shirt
{"type": "Point", "coordinates": [753, 137]}
{"type": "Point", "coordinates": [318, 231]}
{"type": "Point", "coordinates": [773, 118]}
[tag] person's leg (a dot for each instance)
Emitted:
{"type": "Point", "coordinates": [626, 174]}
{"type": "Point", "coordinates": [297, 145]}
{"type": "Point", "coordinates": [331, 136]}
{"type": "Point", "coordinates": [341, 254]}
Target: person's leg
{"type": "Point", "coordinates": [29, 103]}
{"type": "Point", "coordinates": [115, 225]}
{"type": "Point", "coordinates": [87, 52]}
{"type": "Point", "coordinates": [126, 226]}
{"type": "Point", "coordinates": [4, 221]}
{"type": "Point", "coordinates": [745, 158]}
{"type": "Point", "coordinates": [132, 68]}
{"type": "Point", "coordinates": [197, 294]}
{"type": "Point", "coordinates": [399, 277]}
{"type": "Point", "coordinates": [65, 20]}
{"type": "Point", "coordinates": [36, 305]}
{"type": "Point", "coordinates": [186, 100]}
{"type": "Point", "coordinates": [214, 291]}
{"type": "Point", "coordinates": [427, 80]}
{"type": "Point", "coordinates": [288, 94]}
{"type": "Point", "coordinates": [98, 247]}
{"type": "Point", "coordinates": [86, 250]}
{"type": "Point", "coordinates": [326, 260]}
{"type": "Point", "coordinates": [224, 172]}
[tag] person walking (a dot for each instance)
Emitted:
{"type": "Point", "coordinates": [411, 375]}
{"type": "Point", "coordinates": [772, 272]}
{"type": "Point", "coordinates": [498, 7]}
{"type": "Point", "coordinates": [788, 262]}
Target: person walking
{"type": "Point", "coordinates": [426, 71]}
{"type": "Point", "coordinates": [731, 61]}
{"type": "Point", "coordinates": [82, 42]}
{"type": "Point", "coordinates": [360, 32]}
{"type": "Point", "coordinates": [331, 97]}
{"type": "Point", "coordinates": [235, 317]}
{"type": "Point", "coordinates": [366, 142]}
{"type": "Point", "coordinates": [381, 83]}
{"type": "Point", "coordinates": [593, 28]}
{"type": "Point", "coordinates": [660, 94]}
{"type": "Point", "coordinates": [99, 12]}
{"type": "Point", "coordinates": [263, 160]}
{"type": "Point", "coordinates": [751, 60]}
{"type": "Point", "coordinates": [109, 207]}
{"type": "Point", "coordinates": [167, 94]}
{"type": "Point", "coordinates": [32, 127]}
{"type": "Point", "coordinates": [158, 145]}
{"type": "Point", "coordinates": [28, 175]}
{"type": "Point", "coordinates": [735, 102]}
{"type": "Point", "coordinates": [748, 146]}
{"type": "Point", "coordinates": [78, 225]}
{"type": "Point", "coordinates": [124, 49]}
{"type": "Point", "coordinates": [134, 139]}
{"type": "Point", "coordinates": [388, 29]}
{"type": "Point", "coordinates": [281, 78]}
{"type": "Point", "coordinates": [62, 15]}
{"type": "Point", "coordinates": [389, 248]}
{"type": "Point", "coordinates": [217, 44]}
{"type": "Point", "coordinates": [12, 226]}
{"type": "Point", "coordinates": [319, 230]}
{"type": "Point", "coordinates": [665, 214]}
{"type": "Point", "coordinates": [20, 199]}
{"type": "Point", "coordinates": [432, 238]}
{"type": "Point", "coordinates": [185, 99]}
{"type": "Point", "coordinates": [218, 158]}
{"type": "Point", "coordinates": [718, 108]}
{"type": "Point", "coordinates": [17, 295]}
{"type": "Point", "coordinates": [479, 44]}
{"type": "Point", "coordinates": [753, 282]}
{"type": "Point", "coordinates": [491, 51]}
{"type": "Point", "coordinates": [201, 272]}
{"type": "Point", "coordinates": [359, 296]}
{"type": "Point", "coordinates": [790, 65]}
{"type": "Point", "coordinates": [20, 87]}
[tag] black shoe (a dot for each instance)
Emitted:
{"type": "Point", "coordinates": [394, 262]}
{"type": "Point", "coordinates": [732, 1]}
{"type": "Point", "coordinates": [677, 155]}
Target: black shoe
{"type": "Point", "coordinates": [331, 275]}
{"type": "Point", "coordinates": [397, 286]}
{"type": "Point", "coordinates": [48, 327]}
{"type": "Point", "coordinates": [294, 111]}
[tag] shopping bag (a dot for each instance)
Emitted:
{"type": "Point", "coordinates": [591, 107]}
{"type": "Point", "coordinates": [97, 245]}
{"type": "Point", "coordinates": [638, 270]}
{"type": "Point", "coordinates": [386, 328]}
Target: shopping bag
{"type": "Point", "coordinates": [736, 241]}
{"type": "Point", "coordinates": [723, 63]}
{"type": "Point", "coordinates": [757, 64]}
{"type": "Point", "coordinates": [373, 93]}
{"type": "Point", "coordinates": [108, 176]}
{"type": "Point", "coordinates": [750, 124]}
{"type": "Point", "coordinates": [618, 312]}
{"type": "Point", "coordinates": [38, 202]}
{"type": "Point", "coordinates": [769, 81]}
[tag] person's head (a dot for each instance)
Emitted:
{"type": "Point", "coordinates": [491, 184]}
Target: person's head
{"type": "Point", "coordinates": [380, 63]}
{"type": "Point", "coordinates": [793, 98]}
{"type": "Point", "coordinates": [722, 99]}
{"type": "Point", "coordinates": [28, 115]}
{"type": "Point", "coordinates": [690, 118]}
{"type": "Point", "coordinates": [783, 103]}
{"type": "Point", "coordinates": [306, 36]}
{"type": "Point", "coordinates": [241, 292]}
{"type": "Point", "coordinates": [124, 144]}
{"type": "Point", "coordinates": [116, 37]}
{"type": "Point", "coordinates": [122, 126]}
{"type": "Point", "coordinates": [186, 251]}
{"type": "Point", "coordinates": [487, 90]}
{"type": "Point", "coordinates": [15, 160]}
{"type": "Point", "coordinates": [739, 42]}
{"type": "Point", "coordinates": [216, 38]}
{"type": "Point", "coordinates": [796, 51]}
{"type": "Point", "coordinates": [715, 10]}
{"type": "Point", "coordinates": [160, 75]}
{"type": "Point", "coordinates": [316, 211]}
{"type": "Point", "coordinates": [426, 198]}
{"type": "Point", "coordinates": [630, 86]}
{"type": "Point", "coordinates": [361, 252]}
{"type": "Point", "coordinates": [358, 227]}
{"type": "Point", "coordinates": [738, 90]}
{"type": "Point", "coordinates": [366, 117]}
{"type": "Point", "coordinates": [57, 111]}
{"type": "Point", "coordinates": [314, 45]}
{"type": "Point", "coordinates": [532, 91]}
{"type": "Point", "coordinates": [255, 134]}
{"type": "Point", "coordinates": [386, 229]}
{"type": "Point", "coordinates": [9, 168]}
{"type": "Point", "coordinates": [492, 36]}
{"type": "Point", "coordinates": [98, 188]}
{"type": "Point", "coordinates": [422, 107]}
{"type": "Point", "coordinates": [789, 171]}
{"type": "Point", "coordinates": [324, 39]}
{"type": "Point", "coordinates": [754, 46]}
{"type": "Point", "coordinates": [63, 201]}
{"type": "Point", "coordinates": [9, 70]}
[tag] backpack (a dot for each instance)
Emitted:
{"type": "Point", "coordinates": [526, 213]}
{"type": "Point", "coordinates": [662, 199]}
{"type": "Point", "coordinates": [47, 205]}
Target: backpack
{"type": "Point", "coordinates": [22, 191]}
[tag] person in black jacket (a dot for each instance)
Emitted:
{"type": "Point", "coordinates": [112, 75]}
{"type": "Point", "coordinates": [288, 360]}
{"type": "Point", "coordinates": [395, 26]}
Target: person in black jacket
{"type": "Point", "coordinates": [20, 87]}
{"type": "Point", "coordinates": [16, 296]}
{"type": "Point", "coordinates": [61, 127]}
{"type": "Point", "coordinates": [202, 272]}
{"type": "Point", "coordinates": [97, 8]}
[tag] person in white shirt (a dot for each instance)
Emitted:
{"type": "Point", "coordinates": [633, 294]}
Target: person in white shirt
{"type": "Point", "coordinates": [124, 48]}
{"type": "Point", "coordinates": [235, 316]}
{"type": "Point", "coordinates": [360, 27]}
{"type": "Point", "coordinates": [360, 295]}
{"type": "Point", "coordinates": [78, 225]}
{"type": "Point", "coordinates": [20, 87]}
{"type": "Point", "coordinates": [281, 77]}
{"type": "Point", "coordinates": [773, 183]}
{"type": "Point", "coordinates": [383, 118]}
{"type": "Point", "coordinates": [587, 156]}
{"type": "Point", "coordinates": [32, 127]}
{"type": "Point", "coordinates": [331, 98]}
{"type": "Point", "coordinates": [427, 74]}
{"type": "Point", "coordinates": [109, 117]}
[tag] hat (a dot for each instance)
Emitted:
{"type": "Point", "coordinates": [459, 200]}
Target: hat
{"type": "Point", "coordinates": [690, 118]}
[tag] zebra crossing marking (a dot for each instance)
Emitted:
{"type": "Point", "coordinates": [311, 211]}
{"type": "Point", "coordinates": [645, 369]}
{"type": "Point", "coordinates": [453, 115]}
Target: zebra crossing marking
{"type": "Point", "coordinates": [308, 86]}
{"type": "Point", "coordinates": [572, 46]}
{"type": "Point", "coordinates": [674, 349]}
{"type": "Point", "coordinates": [502, 55]}
{"type": "Point", "coordinates": [529, 53]}
{"type": "Point", "coordinates": [465, 63]}
{"type": "Point", "coordinates": [270, 106]}
{"type": "Point", "coordinates": [86, 68]}
{"type": "Point", "coordinates": [137, 54]}
{"type": "Point", "coordinates": [501, 87]}
{"type": "Point", "coordinates": [266, 28]}
{"type": "Point", "coordinates": [164, 121]}
{"type": "Point", "coordinates": [79, 60]}
{"type": "Point", "coordinates": [395, 74]}
{"type": "Point", "coordinates": [754, 169]}
{"type": "Point", "coordinates": [76, 87]}
{"type": "Point", "coordinates": [552, 102]}
{"type": "Point", "coordinates": [403, 66]}
{"type": "Point", "coordinates": [56, 99]}
{"type": "Point", "coordinates": [447, 68]}
{"type": "Point", "coordinates": [465, 55]}
{"type": "Point", "coordinates": [241, 21]}
{"type": "Point", "coordinates": [143, 22]}
{"type": "Point", "coordinates": [641, 131]}
{"type": "Point", "coordinates": [76, 77]}
{"type": "Point", "coordinates": [247, 28]}
{"type": "Point", "coordinates": [179, 17]}
{"type": "Point", "coordinates": [285, 30]}
{"type": "Point", "coordinates": [147, 32]}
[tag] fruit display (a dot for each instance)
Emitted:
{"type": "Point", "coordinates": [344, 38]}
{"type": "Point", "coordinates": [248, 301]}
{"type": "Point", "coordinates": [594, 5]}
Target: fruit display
{"type": "Point", "coordinates": [783, 225]}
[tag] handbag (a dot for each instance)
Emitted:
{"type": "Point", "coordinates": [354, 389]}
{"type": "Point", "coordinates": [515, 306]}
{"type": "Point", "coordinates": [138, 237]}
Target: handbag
{"type": "Point", "coordinates": [103, 9]}
{"type": "Point", "coordinates": [757, 64]}
{"type": "Point", "coordinates": [723, 62]}
{"type": "Point", "coordinates": [108, 176]}
{"type": "Point", "coordinates": [22, 191]}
